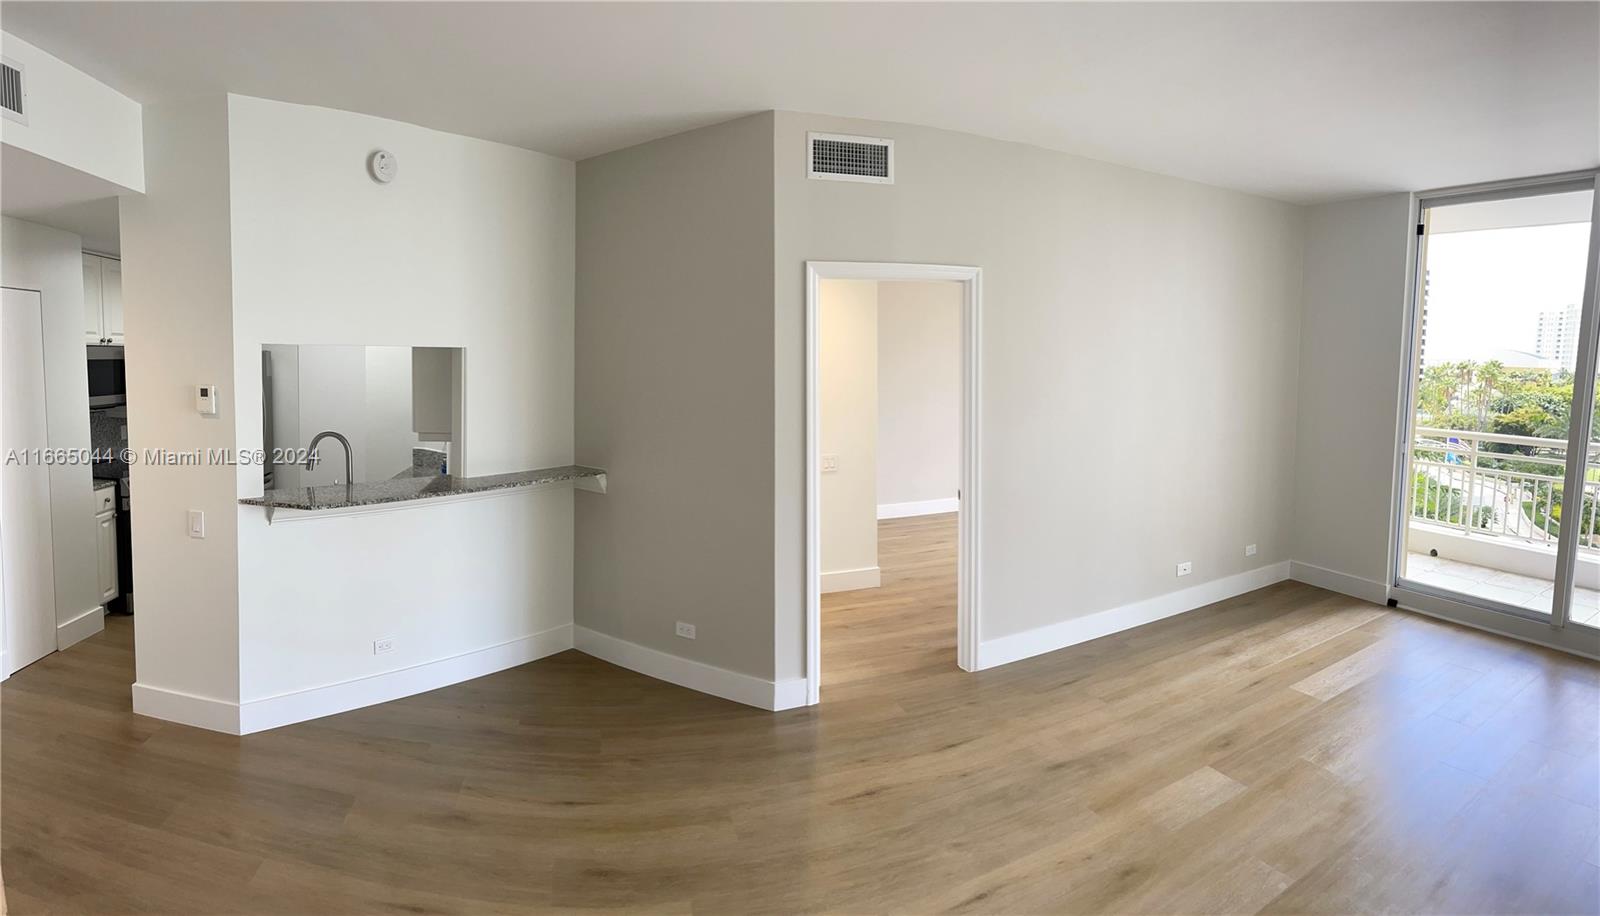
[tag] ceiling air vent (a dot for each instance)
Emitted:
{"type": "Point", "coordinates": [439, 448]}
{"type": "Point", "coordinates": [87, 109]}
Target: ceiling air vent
{"type": "Point", "coordinates": [13, 91]}
{"type": "Point", "coordinates": [837, 157]}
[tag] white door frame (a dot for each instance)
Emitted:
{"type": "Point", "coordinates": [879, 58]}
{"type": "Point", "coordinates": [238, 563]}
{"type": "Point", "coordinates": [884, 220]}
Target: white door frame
{"type": "Point", "coordinates": [967, 611]}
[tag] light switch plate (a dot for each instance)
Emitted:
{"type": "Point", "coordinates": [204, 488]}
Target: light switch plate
{"type": "Point", "coordinates": [830, 463]}
{"type": "Point", "coordinates": [197, 523]}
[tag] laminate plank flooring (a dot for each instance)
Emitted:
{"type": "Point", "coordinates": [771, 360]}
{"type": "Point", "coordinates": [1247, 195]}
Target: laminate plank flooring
{"type": "Point", "coordinates": [1287, 751]}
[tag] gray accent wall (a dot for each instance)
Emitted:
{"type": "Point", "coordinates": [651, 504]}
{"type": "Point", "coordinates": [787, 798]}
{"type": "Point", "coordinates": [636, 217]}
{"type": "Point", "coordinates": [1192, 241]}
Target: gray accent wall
{"type": "Point", "coordinates": [675, 394]}
{"type": "Point", "coordinates": [1140, 335]}
{"type": "Point", "coordinates": [1351, 352]}
{"type": "Point", "coordinates": [1142, 340]}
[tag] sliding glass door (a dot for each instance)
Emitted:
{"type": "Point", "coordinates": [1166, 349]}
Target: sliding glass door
{"type": "Point", "coordinates": [1500, 469]}
{"type": "Point", "coordinates": [1583, 609]}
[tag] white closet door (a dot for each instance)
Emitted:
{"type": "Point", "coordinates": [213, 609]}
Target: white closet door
{"type": "Point", "coordinates": [29, 578]}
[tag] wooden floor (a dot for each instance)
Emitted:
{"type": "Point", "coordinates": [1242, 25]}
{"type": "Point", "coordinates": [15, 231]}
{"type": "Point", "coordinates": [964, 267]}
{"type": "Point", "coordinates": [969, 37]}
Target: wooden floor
{"type": "Point", "coordinates": [1288, 751]}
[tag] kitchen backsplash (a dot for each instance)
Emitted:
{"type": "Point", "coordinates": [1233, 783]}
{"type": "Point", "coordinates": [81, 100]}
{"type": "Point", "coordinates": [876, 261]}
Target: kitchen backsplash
{"type": "Point", "coordinates": [108, 430]}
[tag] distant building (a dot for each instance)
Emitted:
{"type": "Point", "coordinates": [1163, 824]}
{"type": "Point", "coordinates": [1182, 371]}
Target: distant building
{"type": "Point", "coordinates": [1558, 336]}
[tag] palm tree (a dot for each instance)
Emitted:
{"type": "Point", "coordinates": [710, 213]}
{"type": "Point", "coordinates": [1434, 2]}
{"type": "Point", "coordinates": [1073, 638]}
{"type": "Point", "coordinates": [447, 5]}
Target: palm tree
{"type": "Point", "coordinates": [1458, 385]}
{"type": "Point", "coordinates": [1436, 390]}
{"type": "Point", "coordinates": [1464, 374]}
{"type": "Point", "coordinates": [1490, 375]}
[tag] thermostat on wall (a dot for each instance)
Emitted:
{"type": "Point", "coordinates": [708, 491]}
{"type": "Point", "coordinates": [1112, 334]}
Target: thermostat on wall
{"type": "Point", "coordinates": [205, 400]}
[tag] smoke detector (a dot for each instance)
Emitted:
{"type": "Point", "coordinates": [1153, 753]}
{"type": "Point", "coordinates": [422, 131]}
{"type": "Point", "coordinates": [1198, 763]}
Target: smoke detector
{"type": "Point", "coordinates": [383, 166]}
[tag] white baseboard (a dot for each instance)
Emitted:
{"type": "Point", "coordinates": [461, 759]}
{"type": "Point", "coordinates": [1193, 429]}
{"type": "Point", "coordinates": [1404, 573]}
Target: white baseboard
{"type": "Point", "coordinates": [314, 703]}
{"type": "Point", "coordinates": [1343, 583]}
{"type": "Point", "coordinates": [1006, 649]}
{"type": "Point", "coordinates": [699, 676]}
{"type": "Point", "coordinates": [846, 580]}
{"type": "Point", "coordinates": [80, 627]}
{"type": "Point", "coordinates": [789, 694]}
{"type": "Point", "coordinates": [300, 706]}
{"type": "Point", "coordinates": [919, 507]}
{"type": "Point", "coordinates": [186, 708]}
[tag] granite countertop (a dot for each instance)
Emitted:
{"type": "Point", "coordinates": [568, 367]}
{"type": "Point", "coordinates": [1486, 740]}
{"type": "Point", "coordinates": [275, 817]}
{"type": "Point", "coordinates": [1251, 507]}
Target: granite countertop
{"type": "Point", "coordinates": [100, 483]}
{"type": "Point", "coordinates": [405, 489]}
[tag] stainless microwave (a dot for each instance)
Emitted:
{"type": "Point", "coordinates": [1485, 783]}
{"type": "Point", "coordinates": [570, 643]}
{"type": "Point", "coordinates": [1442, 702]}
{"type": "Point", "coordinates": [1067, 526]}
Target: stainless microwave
{"type": "Point", "coordinates": [108, 377]}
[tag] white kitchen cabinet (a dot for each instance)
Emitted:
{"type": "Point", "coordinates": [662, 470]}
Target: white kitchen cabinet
{"type": "Point", "coordinates": [111, 297]}
{"type": "Point", "coordinates": [106, 551]}
{"type": "Point", "coordinates": [102, 299]}
{"type": "Point", "coordinates": [94, 322]}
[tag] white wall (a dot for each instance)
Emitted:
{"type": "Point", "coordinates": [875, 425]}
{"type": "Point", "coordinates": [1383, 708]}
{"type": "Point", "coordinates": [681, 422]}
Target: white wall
{"type": "Point", "coordinates": [76, 120]}
{"type": "Point", "coordinates": [1351, 352]}
{"type": "Point", "coordinates": [178, 320]}
{"type": "Point", "coordinates": [675, 393]}
{"type": "Point", "coordinates": [471, 246]}
{"type": "Point", "coordinates": [442, 580]}
{"type": "Point", "coordinates": [262, 226]}
{"type": "Point", "coordinates": [919, 394]}
{"type": "Point", "coordinates": [847, 429]}
{"type": "Point", "coordinates": [51, 261]}
{"type": "Point", "coordinates": [1140, 340]}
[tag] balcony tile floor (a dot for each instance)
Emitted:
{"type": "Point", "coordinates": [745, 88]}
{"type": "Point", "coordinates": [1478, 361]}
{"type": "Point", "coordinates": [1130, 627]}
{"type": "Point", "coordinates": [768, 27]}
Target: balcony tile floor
{"type": "Point", "coordinates": [1487, 582]}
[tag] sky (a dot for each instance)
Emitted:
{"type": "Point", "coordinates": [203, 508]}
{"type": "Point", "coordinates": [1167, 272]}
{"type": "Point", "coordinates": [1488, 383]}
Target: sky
{"type": "Point", "coordinates": [1486, 288]}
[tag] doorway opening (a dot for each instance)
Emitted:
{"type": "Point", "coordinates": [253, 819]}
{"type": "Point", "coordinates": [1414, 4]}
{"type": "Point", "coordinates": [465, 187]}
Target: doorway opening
{"type": "Point", "coordinates": [66, 568]}
{"type": "Point", "coordinates": [892, 465]}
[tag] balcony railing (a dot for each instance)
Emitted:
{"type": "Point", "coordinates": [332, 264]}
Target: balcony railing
{"type": "Point", "coordinates": [1500, 486]}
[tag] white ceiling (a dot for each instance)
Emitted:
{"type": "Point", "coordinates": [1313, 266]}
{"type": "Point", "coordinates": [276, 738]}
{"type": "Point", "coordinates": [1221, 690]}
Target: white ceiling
{"type": "Point", "coordinates": [1301, 101]}
{"type": "Point", "coordinates": [97, 222]}
{"type": "Point", "coordinates": [45, 191]}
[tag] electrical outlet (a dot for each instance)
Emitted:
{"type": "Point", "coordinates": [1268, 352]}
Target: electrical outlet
{"type": "Point", "coordinates": [197, 523]}
{"type": "Point", "coordinates": [1185, 568]}
{"type": "Point", "coordinates": [686, 630]}
{"type": "Point", "coordinates": [1249, 550]}
{"type": "Point", "coordinates": [830, 463]}
{"type": "Point", "coordinates": [385, 644]}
